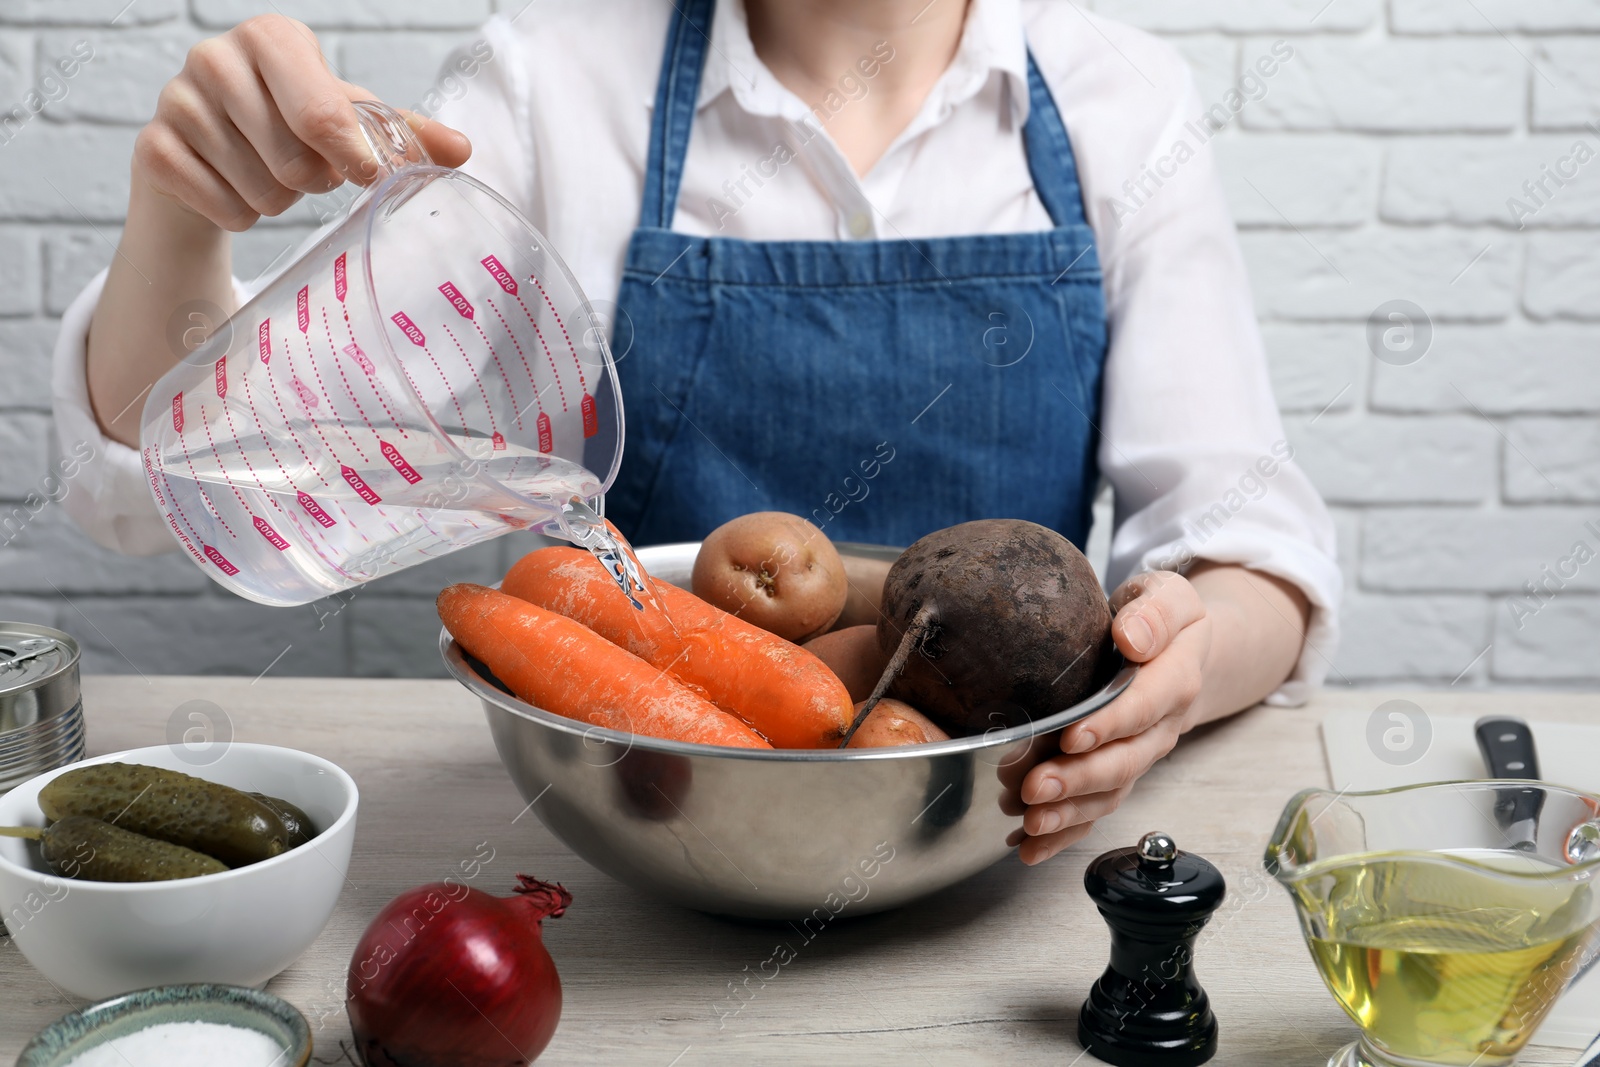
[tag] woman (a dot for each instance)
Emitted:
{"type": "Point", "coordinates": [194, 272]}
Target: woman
{"type": "Point", "coordinates": [836, 231]}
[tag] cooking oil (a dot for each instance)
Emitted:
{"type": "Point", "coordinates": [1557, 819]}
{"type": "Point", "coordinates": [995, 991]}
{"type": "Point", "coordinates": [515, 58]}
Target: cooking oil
{"type": "Point", "coordinates": [1444, 964]}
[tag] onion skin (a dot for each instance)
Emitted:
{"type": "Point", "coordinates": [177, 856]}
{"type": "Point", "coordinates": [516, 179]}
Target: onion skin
{"type": "Point", "coordinates": [449, 976]}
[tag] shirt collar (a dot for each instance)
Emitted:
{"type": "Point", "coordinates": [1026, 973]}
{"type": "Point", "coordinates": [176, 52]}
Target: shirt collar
{"type": "Point", "coordinates": [992, 40]}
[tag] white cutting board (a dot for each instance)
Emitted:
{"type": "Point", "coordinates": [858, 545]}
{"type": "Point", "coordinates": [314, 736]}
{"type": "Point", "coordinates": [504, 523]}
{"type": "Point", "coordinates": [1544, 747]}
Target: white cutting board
{"type": "Point", "coordinates": [1569, 754]}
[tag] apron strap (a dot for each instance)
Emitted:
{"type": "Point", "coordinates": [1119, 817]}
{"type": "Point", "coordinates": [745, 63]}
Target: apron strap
{"type": "Point", "coordinates": [1050, 157]}
{"type": "Point", "coordinates": [1049, 151]}
{"type": "Point", "coordinates": [688, 37]}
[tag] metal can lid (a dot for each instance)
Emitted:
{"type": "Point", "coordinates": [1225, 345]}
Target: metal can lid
{"type": "Point", "coordinates": [32, 655]}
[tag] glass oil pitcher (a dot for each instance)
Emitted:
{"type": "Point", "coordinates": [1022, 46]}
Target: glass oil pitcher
{"type": "Point", "coordinates": [1446, 919]}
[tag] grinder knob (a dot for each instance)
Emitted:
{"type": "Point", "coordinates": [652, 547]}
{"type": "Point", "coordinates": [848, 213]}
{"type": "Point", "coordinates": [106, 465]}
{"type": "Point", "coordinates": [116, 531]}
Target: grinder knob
{"type": "Point", "coordinates": [1147, 1009]}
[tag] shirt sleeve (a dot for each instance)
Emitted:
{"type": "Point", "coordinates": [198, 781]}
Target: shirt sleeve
{"type": "Point", "coordinates": [1192, 444]}
{"type": "Point", "coordinates": [108, 499]}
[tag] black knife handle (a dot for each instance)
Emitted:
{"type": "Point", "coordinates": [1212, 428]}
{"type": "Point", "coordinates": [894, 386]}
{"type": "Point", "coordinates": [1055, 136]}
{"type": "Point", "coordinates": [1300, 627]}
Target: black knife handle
{"type": "Point", "coordinates": [1507, 747]}
{"type": "Point", "coordinates": [1508, 752]}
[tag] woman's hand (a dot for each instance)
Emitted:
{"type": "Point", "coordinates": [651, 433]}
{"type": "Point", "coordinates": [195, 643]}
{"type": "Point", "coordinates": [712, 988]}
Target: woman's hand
{"type": "Point", "coordinates": [255, 120]}
{"type": "Point", "coordinates": [1160, 622]}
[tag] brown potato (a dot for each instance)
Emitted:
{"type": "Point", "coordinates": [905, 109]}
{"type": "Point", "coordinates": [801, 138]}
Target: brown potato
{"type": "Point", "coordinates": [775, 571]}
{"type": "Point", "coordinates": [852, 654]}
{"type": "Point", "coordinates": [893, 723]}
{"type": "Point", "coordinates": [863, 603]}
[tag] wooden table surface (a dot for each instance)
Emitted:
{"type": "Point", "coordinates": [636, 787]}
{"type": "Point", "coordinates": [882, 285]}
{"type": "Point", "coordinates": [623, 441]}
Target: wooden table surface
{"type": "Point", "coordinates": [992, 971]}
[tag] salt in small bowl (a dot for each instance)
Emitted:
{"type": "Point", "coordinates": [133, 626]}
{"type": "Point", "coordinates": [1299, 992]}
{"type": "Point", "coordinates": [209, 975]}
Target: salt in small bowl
{"type": "Point", "coordinates": [78, 1032]}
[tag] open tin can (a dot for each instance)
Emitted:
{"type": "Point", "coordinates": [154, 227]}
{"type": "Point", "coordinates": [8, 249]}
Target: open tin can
{"type": "Point", "coordinates": [41, 704]}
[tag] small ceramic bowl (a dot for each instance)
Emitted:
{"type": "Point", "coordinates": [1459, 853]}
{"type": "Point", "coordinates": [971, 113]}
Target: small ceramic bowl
{"type": "Point", "coordinates": [77, 1032]}
{"type": "Point", "coordinates": [239, 927]}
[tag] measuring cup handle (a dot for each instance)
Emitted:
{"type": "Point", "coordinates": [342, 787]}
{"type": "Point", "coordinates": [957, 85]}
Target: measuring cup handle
{"type": "Point", "coordinates": [390, 137]}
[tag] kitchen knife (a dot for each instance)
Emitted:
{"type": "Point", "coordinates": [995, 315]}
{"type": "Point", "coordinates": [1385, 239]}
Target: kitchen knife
{"type": "Point", "coordinates": [1509, 752]}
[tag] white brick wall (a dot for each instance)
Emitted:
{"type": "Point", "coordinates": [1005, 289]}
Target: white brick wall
{"type": "Point", "coordinates": [1377, 167]}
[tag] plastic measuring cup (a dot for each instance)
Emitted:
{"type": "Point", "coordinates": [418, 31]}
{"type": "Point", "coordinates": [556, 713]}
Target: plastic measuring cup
{"type": "Point", "coordinates": [425, 377]}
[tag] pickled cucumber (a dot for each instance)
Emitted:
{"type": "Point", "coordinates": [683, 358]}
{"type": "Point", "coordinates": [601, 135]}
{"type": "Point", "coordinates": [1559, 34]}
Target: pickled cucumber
{"type": "Point", "coordinates": [92, 850]}
{"type": "Point", "coordinates": [223, 823]}
{"type": "Point", "coordinates": [298, 823]}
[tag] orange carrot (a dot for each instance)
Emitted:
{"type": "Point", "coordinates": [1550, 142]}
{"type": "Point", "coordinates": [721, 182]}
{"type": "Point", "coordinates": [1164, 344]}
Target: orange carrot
{"type": "Point", "coordinates": [778, 687]}
{"type": "Point", "coordinates": [564, 667]}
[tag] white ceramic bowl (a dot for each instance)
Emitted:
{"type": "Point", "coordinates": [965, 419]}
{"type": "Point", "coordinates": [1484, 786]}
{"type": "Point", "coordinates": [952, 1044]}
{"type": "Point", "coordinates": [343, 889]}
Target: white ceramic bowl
{"type": "Point", "coordinates": [240, 927]}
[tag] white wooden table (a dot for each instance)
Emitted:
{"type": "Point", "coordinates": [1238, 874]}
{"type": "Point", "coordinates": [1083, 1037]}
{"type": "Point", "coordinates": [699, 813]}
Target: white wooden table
{"type": "Point", "coordinates": [992, 971]}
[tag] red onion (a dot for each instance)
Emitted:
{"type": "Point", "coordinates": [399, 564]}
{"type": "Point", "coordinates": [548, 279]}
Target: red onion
{"type": "Point", "coordinates": [448, 976]}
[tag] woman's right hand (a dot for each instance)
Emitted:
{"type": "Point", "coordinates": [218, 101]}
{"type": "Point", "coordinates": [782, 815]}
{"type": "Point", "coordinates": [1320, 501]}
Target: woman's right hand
{"type": "Point", "coordinates": [255, 120]}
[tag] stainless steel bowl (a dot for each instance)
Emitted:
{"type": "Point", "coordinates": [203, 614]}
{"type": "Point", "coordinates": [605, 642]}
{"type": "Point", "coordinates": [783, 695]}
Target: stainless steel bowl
{"type": "Point", "coordinates": [780, 834]}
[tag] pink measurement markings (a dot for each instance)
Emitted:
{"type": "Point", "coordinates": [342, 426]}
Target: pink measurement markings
{"type": "Point", "coordinates": [317, 373]}
{"type": "Point", "coordinates": [264, 342]}
{"type": "Point", "coordinates": [546, 439]}
{"type": "Point", "coordinates": [183, 538]}
{"type": "Point", "coordinates": [219, 375]}
{"type": "Point", "coordinates": [302, 391]}
{"type": "Point", "coordinates": [472, 368]}
{"type": "Point", "coordinates": [264, 528]}
{"type": "Point", "coordinates": [363, 490]}
{"type": "Point", "coordinates": [398, 462]}
{"type": "Point", "coordinates": [218, 456]}
{"type": "Point", "coordinates": [339, 364]}
{"type": "Point", "coordinates": [238, 445]}
{"type": "Point", "coordinates": [591, 422]}
{"type": "Point", "coordinates": [302, 308]}
{"type": "Point", "coordinates": [462, 305]}
{"type": "Point", "coordinates": [412, 331]}
{"type": "Point", "coordinates": [488, 407]}
{"type": "Point", "coordinates": [355, 353]}
{"type": "Point", "coordinates": [353, 350]}
{"type": "Point", "coordinates": [177, 409]}
{"type": "Point", "coordinates": [307, 395]}
{"type": "Point", "coordinates": [511, 394]}
{"type": "Point", "coordinates": [314, 510]}
{"type": "Point", "coordinates": [547, 353]}
{"type": "Point", "coordinates": [150, 473]}
{"type": "Point", "coordinates": [292, 435]}
{"type": "Point", "coordinates": [576, 361]}
{"type": "Point", "coordinates": [468, 312]}
{"type": "Point", "coordinates": [340, 285]}
{"type": "Point", "coordinates": [178, 508]}
{"type": "Point", "coordinates": [520, 354]}
{"type": "Point", "coordinates": [462, 415]}
{"type": "Point", "coordinates": [416, 337]}
{"type": "Point", "coordinates": [219, 559]}
{"type": "Point", "coordinates": [498, 272]}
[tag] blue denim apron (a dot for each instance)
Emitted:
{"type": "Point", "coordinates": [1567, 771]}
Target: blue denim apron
{"type": "Point", "coordinates": [883, 389]}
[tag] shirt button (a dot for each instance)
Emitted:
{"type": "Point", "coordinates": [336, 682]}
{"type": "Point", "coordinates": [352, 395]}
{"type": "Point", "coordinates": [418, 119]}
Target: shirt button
{"type": "Point", "coordinates": [860, 224]}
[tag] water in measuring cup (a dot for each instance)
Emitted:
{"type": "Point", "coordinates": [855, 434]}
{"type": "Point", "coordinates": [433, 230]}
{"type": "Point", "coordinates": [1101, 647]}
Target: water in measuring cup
{"type": "Point", "coordinates": [464, 505]}
{"type": "Point", "coordinates": [298, 546]}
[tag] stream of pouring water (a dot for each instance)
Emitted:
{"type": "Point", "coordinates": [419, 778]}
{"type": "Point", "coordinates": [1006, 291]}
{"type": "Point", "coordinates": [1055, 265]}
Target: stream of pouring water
{"type": "Point", "coordinates": [581, 525]}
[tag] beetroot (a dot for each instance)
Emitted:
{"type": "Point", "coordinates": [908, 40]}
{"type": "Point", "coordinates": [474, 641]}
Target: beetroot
{"type": "Point", "coordinates": [992, 624]}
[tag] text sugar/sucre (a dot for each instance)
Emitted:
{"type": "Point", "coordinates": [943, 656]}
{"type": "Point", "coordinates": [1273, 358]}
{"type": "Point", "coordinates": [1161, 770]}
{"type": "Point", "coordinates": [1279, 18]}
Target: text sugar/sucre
{"type": "Point", "coordinates": [186, 1044]}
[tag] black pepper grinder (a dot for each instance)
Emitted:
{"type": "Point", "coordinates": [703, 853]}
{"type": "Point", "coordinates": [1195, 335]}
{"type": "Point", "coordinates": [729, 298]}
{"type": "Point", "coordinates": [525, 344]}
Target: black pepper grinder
{"type": "Point", "coordinates": [1147, 1009]}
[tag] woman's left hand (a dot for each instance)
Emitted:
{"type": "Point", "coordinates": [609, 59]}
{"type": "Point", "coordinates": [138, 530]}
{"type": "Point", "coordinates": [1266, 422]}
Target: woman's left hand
{"type": "Point", "coordinates": [1160, 621]}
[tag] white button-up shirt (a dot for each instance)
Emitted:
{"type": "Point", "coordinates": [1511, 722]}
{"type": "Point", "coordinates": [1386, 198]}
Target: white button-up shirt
{"type": "Point", "coordinates": [1191, 441]}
